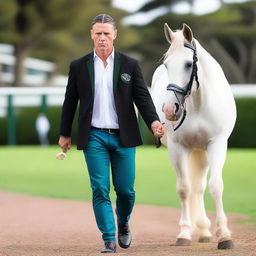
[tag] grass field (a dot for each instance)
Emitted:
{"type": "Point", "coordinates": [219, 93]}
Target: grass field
{"type": "Point", "coordinates": [34, 170]}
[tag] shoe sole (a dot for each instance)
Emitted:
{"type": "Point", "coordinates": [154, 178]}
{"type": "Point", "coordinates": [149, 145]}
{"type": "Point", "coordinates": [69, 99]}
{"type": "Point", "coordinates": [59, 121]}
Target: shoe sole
{"type": "Point", "coordinates": [123, 245]}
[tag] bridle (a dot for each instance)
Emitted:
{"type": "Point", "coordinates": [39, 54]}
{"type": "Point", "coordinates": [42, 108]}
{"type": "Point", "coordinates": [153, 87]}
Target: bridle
{"type": "Point", "coordinates": [180, 93]}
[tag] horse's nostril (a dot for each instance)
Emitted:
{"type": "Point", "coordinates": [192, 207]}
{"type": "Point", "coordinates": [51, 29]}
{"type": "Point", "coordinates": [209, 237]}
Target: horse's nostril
{"type": "Point", "coordinates": [177, 107]}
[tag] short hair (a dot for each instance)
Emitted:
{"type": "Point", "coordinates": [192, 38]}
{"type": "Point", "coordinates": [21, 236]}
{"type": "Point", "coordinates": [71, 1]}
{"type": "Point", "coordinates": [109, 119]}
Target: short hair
{"type": "Point", "coordinates": [104, 18]}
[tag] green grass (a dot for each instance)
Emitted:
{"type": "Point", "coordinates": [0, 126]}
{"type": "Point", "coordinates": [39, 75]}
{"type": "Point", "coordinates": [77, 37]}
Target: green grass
{"type": "Point", "coordinates": [34, 170]}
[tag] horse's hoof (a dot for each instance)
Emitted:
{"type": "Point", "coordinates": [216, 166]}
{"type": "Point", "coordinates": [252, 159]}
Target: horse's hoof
{"type": "Point", "coordinates": [228, 244]}
{"type": "Point", "coordinates": [204, 239]}
{"type": "Point", "coordinates": [183, 242]}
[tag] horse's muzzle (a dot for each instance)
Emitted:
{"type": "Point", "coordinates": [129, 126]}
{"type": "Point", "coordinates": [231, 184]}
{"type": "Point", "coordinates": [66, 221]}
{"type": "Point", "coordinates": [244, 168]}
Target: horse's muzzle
{"type": "Point", "coordinates": [170, 112]}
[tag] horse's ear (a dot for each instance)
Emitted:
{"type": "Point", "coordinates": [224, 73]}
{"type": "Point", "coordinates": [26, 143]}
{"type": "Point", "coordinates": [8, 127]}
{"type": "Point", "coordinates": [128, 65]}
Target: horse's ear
{"type": "Point", "coordinates": [187, 32]}
{"type": "Point", "coordinates": [168, 33]}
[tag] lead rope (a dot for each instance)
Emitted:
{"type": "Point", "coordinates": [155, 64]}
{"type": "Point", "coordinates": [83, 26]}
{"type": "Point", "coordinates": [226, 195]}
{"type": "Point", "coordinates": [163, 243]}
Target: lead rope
{"type": "Point", "coordinates": [184, 113]}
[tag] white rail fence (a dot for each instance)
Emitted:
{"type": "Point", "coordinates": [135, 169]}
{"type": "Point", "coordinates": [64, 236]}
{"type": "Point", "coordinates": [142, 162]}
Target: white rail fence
{"type": "Point", "coordinates": [12, 98]}
{"type": "Point", "coordinates": [27, 96]}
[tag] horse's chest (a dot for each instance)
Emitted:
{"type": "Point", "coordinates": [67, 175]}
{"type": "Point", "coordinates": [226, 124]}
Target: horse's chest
{"type": "Point", "coordinates": [194, 136]}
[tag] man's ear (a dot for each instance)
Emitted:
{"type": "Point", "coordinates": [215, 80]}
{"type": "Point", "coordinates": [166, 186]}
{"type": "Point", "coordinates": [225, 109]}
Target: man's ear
{"type": "Point", "coordinates": [115, 35]}
{"type": "Point", "coordinates": [91, 34]}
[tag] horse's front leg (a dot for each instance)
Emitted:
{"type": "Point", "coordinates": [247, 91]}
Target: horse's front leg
{"type": "Point", "coordinates": [179, 158]}
{"type": "Point", "coordinates": [216, 156]}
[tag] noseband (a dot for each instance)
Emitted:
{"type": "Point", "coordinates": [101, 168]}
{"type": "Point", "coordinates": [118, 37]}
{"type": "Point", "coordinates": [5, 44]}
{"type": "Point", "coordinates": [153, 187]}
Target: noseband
{"type": "Point", "coordinates": [180, 93]}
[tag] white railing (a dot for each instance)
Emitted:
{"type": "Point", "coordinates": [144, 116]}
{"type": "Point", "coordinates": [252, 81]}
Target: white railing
{"type": "Point", "coordinates": [244, 90]}
{"type": "Point", "coordinates": [28, 96]}
{"type": "Point", "coordinates": [12, 97]}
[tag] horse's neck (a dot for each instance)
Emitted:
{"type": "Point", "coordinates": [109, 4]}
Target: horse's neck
{"type": "Point", "coordinates": [211, 79]}
{"type": "Point", "coordinates": [197, 99]}
{"type": "Point", "coordinates": [210, 72]}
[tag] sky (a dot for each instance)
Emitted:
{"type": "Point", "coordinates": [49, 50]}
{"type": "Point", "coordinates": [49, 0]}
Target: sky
{"type": "Point", "coordinates": [200, 7]}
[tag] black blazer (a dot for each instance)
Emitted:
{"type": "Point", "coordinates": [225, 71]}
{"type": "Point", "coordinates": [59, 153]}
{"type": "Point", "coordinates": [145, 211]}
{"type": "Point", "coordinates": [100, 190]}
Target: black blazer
{"type": "Point", "coordinates": [129, 87]}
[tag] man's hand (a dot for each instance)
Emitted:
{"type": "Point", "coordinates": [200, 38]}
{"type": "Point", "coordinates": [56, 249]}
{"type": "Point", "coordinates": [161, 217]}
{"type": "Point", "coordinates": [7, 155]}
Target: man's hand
{"type": "Point", "coordinates": [157, 128]}
{"type": "Point", "coordinates": [65, 143]}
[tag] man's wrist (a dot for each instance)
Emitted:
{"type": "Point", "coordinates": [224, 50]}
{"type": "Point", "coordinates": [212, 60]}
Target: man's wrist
{"type": "Point", "coordinates": [156, 121]}
{"type": "Point", "coordinates": [66, 137]}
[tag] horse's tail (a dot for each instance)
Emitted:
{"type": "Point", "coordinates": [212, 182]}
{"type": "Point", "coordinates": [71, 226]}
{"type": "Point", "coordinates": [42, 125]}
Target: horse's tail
{"type": "Point", "coordinates": [198, 168]}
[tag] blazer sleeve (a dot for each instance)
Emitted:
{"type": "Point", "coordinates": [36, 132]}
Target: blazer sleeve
{"type": "Point", "coordinates": [69, 104]}
{"type": "Point", "coordinates": [142, 98]}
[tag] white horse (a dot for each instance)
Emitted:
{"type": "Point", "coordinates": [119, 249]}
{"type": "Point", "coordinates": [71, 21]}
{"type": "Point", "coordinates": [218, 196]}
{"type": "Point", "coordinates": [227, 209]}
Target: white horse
{"type": "Point", "coordinates": [194, 100]}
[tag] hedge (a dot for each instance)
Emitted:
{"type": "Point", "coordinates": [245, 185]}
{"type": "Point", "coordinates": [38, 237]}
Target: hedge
{"type": "Point", "coordinates": [25, 126]}
{"type": "Point", "coordinates": [242, 135]}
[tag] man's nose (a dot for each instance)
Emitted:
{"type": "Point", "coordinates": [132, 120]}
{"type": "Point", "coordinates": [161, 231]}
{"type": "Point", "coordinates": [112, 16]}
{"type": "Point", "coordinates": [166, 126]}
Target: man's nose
{"type": "Point", "coordinates": [102, 37]}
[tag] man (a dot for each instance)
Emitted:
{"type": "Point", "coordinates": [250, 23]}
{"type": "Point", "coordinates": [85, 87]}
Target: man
{"type": "Point", "coordinates": [106, 83]}
{"type": "Point", "coordinates": [42, 128]}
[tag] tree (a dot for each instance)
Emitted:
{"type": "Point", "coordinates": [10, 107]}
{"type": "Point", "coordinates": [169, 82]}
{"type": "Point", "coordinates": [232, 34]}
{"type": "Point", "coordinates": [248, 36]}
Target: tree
{"type": "Point", "coordinates": [55, 29]}
{"type": "Point", "coordinates": [228, 34]}
{"type": "Point", "coordinates": [168, 4]}
{"type": "Point", "coordinates": [32, 21]}
{"type": "Point", "coordinates": [233, 42]}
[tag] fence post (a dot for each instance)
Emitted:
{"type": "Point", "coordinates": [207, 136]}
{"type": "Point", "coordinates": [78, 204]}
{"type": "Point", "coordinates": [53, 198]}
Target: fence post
{"type": "Point", "coordinates": [44, 104]}
{"type": "Point", "coordinates": [11, 129]}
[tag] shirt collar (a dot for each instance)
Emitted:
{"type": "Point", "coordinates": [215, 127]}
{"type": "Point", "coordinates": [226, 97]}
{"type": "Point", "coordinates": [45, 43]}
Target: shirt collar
{"type": "Point", "coordinates": [112, 55]}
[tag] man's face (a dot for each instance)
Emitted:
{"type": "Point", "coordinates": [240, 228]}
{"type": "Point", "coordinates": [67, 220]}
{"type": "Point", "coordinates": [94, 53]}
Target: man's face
{"type": "Point", "coordinates": [103, 36]}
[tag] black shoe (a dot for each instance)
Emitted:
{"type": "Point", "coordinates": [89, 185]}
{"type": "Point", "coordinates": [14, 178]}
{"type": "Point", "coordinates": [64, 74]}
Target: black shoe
{"type": "Point", "coordinates": [124, 235]}
{"type": "Point", "coordinates": [110, 247]}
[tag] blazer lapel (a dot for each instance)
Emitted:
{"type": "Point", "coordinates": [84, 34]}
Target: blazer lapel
{"type": "Point", "coordinates": [90, 66]}
{"type": "Point", "coordinates": [117, 63]}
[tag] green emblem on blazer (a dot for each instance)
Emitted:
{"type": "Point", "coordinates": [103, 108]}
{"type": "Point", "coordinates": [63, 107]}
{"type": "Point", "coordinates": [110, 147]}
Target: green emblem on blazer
{"type": "Point", "coordinates": [126, 78]}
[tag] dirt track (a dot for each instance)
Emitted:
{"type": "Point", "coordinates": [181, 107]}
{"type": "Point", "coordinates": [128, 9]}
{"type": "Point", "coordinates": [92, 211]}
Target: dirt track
{"type": "Point", "coordinates": [35, 226]}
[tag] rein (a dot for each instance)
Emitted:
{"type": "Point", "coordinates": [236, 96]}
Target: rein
{"type": "Point", "coordinates": [180, 93]}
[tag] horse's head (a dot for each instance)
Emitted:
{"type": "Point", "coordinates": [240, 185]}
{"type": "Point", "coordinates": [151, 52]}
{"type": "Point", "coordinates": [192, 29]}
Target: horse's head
{"type": "Point", "coordinates": [180, 62]}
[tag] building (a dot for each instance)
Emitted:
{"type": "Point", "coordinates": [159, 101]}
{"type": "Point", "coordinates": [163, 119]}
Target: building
{"type": "Point", "coordinates": [37, 72]}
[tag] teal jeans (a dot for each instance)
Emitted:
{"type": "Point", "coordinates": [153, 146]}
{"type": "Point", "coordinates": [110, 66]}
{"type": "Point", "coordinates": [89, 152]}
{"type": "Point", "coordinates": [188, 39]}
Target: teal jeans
{"type": "Point", "coordinates": [103, 151]}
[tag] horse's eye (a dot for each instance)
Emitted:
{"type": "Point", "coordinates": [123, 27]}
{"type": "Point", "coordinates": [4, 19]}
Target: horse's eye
{"type": "Point", "coordinates": [188, 65]}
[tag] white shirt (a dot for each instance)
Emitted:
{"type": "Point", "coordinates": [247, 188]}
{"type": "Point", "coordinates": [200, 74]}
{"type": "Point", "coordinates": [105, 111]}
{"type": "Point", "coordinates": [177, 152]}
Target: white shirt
{"type": "Point", "coordinates": [104, 110]}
